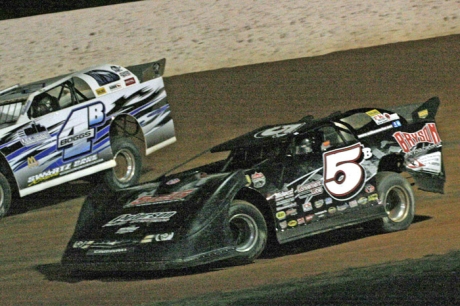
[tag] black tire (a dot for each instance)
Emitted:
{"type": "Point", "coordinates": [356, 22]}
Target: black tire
{"type": "Point", "coordinates": [5, 196]}
{"type": "Point", "coordinates": [398, 199]}
{"type": "Point", "coordinates": [129, 164]}
{"type": "Point", "coordinates": [249, 230]}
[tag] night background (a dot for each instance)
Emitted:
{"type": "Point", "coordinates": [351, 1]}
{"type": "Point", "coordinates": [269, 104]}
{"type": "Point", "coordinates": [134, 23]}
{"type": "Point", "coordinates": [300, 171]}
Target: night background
{"type": "Point", "coordinates": [23, 8]}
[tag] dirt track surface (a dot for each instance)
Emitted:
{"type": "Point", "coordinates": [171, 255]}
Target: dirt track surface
{"type": "Point", "coordinates": [213, 106]}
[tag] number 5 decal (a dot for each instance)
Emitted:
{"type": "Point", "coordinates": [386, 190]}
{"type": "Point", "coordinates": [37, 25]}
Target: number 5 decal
{"type": "Point", "coordinates": [77, 132]}
{"type": "Point", "coordinates": [343, 174]}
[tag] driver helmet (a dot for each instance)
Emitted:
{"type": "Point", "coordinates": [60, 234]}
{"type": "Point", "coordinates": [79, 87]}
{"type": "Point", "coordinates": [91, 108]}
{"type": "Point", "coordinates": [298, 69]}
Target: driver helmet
{"type": "Point", "coordinates": [43, 106]}
{"type": "Point", "coordinates": [304, 147]}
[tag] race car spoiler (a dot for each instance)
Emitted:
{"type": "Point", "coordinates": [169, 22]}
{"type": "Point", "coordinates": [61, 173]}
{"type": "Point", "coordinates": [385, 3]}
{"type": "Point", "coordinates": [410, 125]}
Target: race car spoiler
{"type": "Point", "coordinates": [418, 111]}
{"type": "Point", "coordinates": [148, 71]}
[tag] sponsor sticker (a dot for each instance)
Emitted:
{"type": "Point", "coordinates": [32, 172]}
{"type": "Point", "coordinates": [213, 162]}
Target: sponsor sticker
{"type": "Point", "coordinates": [32, 162]}
{"type": "Point", "coordinates": [300, 221]}
{"type": "Point", "coordinates": [278, 131]}
{"type": "Point", "coordinates": [396, 124]}
{"type": "Point", "coordinates": [429, 162]}
{"type": "Point", "coordinates": [380, 118]}
{"type": "Point", "coordinates": [33, 138]}
{"type": "Point", "coordinates": [85, 161]}
{"type": "Point", "coordinates": [173, 181]}
{"type": "Point", "coordinates": [281, 215]}
{"type": "Point", "coordinates": [153, 217]}
{"type": "Point", "coordinates": [115, 68]}
{"type": "Point", "coordinates": [369, 188]}
{"type": "Point", "coordinates": [423, 114]}
{"type": "Point", "coordinates": [126, 230]}
{"type": "Point", "coordinates": [130, 81]}
{"type": "Point", "coordinates": [307, 206]}
{"type": "Point", "coordinates": [319, 203]}
{"type": "Point", "coordinates": [321, 214]}
{"type": "Point", "coordinates": [101, 91]}
{"type": "Point", "coordinates": [115, 87]}
{"type": "Point", "coordinates": [82, 244]}
{"type": "Point", "coordinates": [285, 199]}
{"type": "Point", "coordinates": [342, 207]}
{"type": "Point", "coordinates": [353, 203]}
{"type": "Point", "coordinates": [258, 179]}
{"type": "Point", "coordinates": [107, 251]}
{"type": "Point", "coordinates": [167, 198]}
{"type": "Point", "coordinates": [362, 201]}
{"type": "Point", "coordinates": [310, 189]}
{"type": "Point", "coordinates": [49, 174]}
{"type": "Point", "coordinates": [383, 128]}
{"type": "Point", "coordinates": [158, 237]}
{"type": "Point", "coordinates": [373, 197]}
{"type": "Point", "coordinates": [291, 212]}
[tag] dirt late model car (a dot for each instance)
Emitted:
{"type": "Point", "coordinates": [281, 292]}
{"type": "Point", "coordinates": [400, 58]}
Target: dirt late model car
{"type": "Point", "coordinates": [291, 180]}
{"type": "Point", "coordinates": [99, 119]}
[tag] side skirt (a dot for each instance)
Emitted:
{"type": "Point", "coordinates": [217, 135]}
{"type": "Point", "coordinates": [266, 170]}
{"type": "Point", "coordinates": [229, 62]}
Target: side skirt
{"type": "Point", "coordinates": [67, 178]}
{"type": "Point", "coordinates": [330, 224]}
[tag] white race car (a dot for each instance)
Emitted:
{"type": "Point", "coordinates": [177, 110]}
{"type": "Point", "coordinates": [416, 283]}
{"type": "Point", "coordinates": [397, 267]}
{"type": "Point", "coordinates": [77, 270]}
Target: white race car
{"type": "Point", "coordinates": [61, 129]}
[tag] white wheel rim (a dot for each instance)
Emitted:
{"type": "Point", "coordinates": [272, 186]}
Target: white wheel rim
{"type": "Point", "coordinates": [245, 232]}
{"type": "Point", "coordinates": [125, 168]}
{"type": "Point", "coordinates": [397, 204]}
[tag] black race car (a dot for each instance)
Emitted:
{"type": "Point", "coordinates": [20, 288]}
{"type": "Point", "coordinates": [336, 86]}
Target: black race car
{"type": "Point", "coordinates": [292, 180]}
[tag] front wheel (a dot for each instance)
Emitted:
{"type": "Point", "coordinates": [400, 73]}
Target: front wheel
{"type": "Point", "coordinates": [129, 164]}
{"type": "Point", "coordinates": [398, 199]}
{"type": "Point", "coordinates": [249, 231]}
{"type": "Point", "coordinates": [5, 195]}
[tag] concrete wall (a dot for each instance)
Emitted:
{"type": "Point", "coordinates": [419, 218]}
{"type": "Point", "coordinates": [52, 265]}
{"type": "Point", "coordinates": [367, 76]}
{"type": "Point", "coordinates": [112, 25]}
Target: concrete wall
{"type": "Point", "coordinates": [209, 34]}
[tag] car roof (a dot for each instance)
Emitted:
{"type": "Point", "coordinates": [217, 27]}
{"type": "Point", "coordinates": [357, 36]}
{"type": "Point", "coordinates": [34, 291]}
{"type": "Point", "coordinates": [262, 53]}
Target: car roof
{"type": "Point", "coordinates": [357, 121]}
{"type": "Point", "coordinates": [19, 92]}
{"type": "Point", "coordinates": [251, 139]}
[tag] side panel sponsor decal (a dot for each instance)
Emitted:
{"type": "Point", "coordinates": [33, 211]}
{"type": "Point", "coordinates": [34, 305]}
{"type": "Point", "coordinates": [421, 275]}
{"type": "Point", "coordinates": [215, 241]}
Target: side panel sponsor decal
{"type": "Point", "coordinates": [428, 134]}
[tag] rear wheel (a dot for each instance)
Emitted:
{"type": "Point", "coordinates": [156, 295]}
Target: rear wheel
{"type": "Point", "coordinates": [398, 199]}
{"type": "Point", "coordinates": [249, 231]}
{"type": "Point", "coordinates": [5, 196]}
{"type": "Point", "coordinates": [129, 164]}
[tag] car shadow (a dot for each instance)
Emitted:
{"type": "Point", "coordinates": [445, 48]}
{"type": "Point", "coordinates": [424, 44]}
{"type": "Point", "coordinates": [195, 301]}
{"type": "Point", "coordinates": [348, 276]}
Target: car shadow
{"type": "Point", "coordinates": [56, 272]}
{"type": "Point", "coordinates": [324, 240]}
{"type": "Point", "coordinates": [50, 197]}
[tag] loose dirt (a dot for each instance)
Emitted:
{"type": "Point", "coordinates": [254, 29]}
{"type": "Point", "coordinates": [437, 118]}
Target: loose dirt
{"type": "Point", "coordinates": [213, 106]}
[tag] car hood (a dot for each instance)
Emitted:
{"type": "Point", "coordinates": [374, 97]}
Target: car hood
{"type": "Point", "coordinates": [177, 206]}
